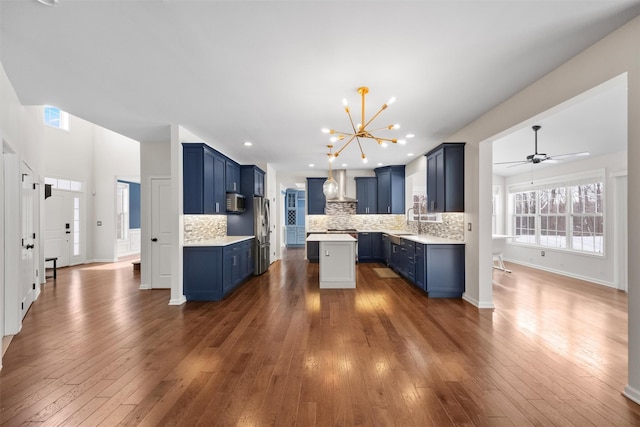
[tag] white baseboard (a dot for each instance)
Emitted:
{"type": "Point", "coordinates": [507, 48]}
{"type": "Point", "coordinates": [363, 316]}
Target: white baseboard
{"type": "Point", "coordinates": [477, 303]}
{"type": "Point", "coordinates": [564, 273]}
{"type": "Point", "coordinates": [178, 301]}
{"type": "Point", "coordinates": [632, 393]}
{"type": "Point", "coordinates": [144, 286]}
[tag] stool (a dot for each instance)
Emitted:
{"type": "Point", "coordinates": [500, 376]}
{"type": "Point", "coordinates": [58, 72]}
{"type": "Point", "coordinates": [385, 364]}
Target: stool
{"type": "Point", "coordinates": [55, 264]}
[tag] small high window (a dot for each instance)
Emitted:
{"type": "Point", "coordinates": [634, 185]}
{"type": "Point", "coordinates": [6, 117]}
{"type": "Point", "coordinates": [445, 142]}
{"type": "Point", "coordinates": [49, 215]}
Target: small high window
{"type": "Point", "coordinates": [56, 118]}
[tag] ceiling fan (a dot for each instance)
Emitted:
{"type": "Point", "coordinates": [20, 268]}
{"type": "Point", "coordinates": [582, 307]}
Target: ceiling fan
{"type": "Point", "coordinates": [536, 157]}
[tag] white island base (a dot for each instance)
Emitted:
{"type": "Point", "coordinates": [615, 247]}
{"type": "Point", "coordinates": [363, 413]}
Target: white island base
{"type": "Point", "coordinates": [337, 260]}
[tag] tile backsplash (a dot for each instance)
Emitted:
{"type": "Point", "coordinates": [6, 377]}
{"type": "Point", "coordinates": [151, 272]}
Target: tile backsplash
{"type": "Point", "coordinates": [451, 226]}
{"type": "Point", "coordinates": [203, 227]}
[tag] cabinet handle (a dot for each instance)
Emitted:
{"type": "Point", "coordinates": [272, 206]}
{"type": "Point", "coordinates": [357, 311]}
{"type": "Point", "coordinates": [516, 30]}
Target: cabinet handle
{"type": "Point", "coordinates": [433, 205]}
{"type": "Point", "coordinates": [217, 207]}
{"type": "Point", "coordinates": [388, 209]}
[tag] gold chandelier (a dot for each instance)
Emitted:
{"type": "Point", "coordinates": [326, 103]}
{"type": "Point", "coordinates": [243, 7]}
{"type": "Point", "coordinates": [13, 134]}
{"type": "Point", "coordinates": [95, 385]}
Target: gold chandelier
{"type": "Point", "coordinates": [360, 130]}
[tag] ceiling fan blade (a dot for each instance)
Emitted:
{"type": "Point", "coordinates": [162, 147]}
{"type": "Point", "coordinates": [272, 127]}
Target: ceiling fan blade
{"type": "Point", "coordinates": [583, 153]}
{"type": "Point", "coordinates": [520, 164]}
{"type": "Point", "coordinates": [508, 163]}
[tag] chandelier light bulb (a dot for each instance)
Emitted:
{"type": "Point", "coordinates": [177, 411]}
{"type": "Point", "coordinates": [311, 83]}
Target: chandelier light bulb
{"type": "Point", "coordinates": [391, 100]}
{"type": "Point", "coordinates": [402, 141]}
{"type": "Point", "coordinates": [345, 102]}
{"type": "Point", "coordinates": [384, 145]}
{"type": "Point", "coordinates": [396, 126]}
{"type": "Point", "coordinates": [333, 139]}
{"type": "Point", "coordinates": [331, 158]}
{"type": "Point", "coordinates": [410, 135]}
{"type": "Point", "coordinates": [365, 160]}
{"type": "Point", "coordinates": [325, 130]}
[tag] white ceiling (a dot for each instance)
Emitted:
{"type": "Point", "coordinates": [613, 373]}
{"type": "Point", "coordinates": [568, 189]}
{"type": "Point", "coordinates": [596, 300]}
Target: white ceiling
{"type": "Point", "coordinates": [275, 72]}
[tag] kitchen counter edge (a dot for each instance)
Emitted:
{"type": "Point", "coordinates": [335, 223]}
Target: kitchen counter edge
{"type": "Point", "coordinates": [219, 241]}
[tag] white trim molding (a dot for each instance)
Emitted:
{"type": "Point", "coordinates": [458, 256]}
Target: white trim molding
{"type": "Point", "coordinates": [632, 394]}
{"type": "Point", "coordinates": [178, 301]}
{"type": "Point", "coordinates": [477, 303]}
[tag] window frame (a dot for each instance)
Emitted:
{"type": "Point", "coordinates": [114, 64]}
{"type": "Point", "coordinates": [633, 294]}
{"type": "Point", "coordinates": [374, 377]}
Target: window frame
{"type": "Point", "coordinates": [568, 183]}
{"type": "Point", "coordinates": [62, 118]}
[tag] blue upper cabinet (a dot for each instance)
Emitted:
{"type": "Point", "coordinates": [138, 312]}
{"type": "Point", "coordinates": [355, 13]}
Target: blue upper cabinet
{"type": "Point", "coordinates": [315, 197]}
{"type": "Point", "coordinates": [390, 189]}
{"type": "Point", "coordinates": [445, 178]}
{"type": "Point", "coordinates": [252, 180]}
{"type": "Point", "coordinates": [232, 176]}
{"type": "Point", "coordinates": [203, 179]}
{"type": "Point", "coordinates": [367, 195]}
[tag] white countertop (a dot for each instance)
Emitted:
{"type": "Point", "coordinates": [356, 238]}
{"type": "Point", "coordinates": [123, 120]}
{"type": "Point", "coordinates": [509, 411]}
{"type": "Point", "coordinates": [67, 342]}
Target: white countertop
{"type": "Point", "coordinates": [419, 238]}
{"type": "Point", "coordinates": [219, 241]}
{"type": "Point", "coordinates": [430, 240]}
{"type": "Point", "coordinates": [330, 238]}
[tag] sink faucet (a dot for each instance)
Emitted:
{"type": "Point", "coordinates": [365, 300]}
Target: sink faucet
{"type": "Point", "coordinates": [419, 222]}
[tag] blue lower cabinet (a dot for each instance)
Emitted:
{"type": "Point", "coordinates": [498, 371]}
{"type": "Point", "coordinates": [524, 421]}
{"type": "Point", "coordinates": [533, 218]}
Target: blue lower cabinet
{"type": "Point", "coordinates": [436, 269]}
{"type": "Point", "coordinates": [211, 272]}
{"type": "Point", "coordinates": [420, 266]}
{"type": "Point", "coordinates": [444, 271]}
{"type": "Point", "coordinates": [202, 273]}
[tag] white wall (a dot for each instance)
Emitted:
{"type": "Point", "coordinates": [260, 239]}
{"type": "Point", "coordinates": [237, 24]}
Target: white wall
{"type": "Point", "coordinates": [114, 155]}
{"type": "Point", "coordinates": [598, 269]}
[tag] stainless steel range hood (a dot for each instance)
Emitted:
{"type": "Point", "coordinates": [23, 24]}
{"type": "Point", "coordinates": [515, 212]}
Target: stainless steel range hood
{"type": "Point", "coordinates": [340, 176]}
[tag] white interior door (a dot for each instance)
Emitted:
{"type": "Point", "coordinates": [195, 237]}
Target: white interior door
{"type": "Point", "coordinates": [64, 219]}
{"type": "Point", "coordinates": [160, 233]}
{"type": "Point", "coordinates": [27, 262]}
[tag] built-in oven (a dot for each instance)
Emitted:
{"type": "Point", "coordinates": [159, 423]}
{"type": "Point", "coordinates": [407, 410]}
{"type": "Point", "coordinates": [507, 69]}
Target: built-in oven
{"type": "Point", "coordinates": [350, 231]}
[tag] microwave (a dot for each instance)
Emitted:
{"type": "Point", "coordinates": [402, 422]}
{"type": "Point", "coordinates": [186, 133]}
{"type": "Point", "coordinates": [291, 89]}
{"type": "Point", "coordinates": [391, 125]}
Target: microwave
{"type": "Point", "coordinates": [235, 202]}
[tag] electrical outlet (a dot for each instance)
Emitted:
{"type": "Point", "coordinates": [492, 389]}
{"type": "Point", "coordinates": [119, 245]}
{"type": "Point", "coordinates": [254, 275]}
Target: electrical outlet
{"type": "Point", "coordinates": [541, 253]}
{"type": "Point", "coordinates": [469, 227]}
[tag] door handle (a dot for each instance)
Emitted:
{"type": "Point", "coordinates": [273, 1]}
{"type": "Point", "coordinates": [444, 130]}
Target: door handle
{"type": "Point", "coordinates": [67, 232]}
{"type": "Point", "coordinates": [155, 239]}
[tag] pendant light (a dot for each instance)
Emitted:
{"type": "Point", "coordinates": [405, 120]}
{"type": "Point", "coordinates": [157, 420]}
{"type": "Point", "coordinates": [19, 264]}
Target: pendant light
{"type": "Point", "coordinates": [330, 186]}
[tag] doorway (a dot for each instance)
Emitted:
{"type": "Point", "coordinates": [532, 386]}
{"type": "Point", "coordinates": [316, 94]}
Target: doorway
{"type": "Point", "coordinates": [161, 235]}
{"type": "Point", "coordinates": [64, 225]}
{"type": "Point", "coordinates": [127, 218]}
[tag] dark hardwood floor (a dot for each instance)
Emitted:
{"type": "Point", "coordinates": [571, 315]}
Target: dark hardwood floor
{"type": "Point", "coordinates": [96, 350]}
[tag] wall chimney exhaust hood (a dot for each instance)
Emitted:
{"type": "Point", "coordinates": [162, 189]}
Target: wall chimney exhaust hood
{"type": "Point", "coordinates": [340, 176]}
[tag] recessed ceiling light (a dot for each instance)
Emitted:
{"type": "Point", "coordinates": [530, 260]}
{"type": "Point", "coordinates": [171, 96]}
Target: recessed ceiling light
{"type": "Point", "coordinates": [409, 135]}
{"type": "Point", "coordinates": [248, 144]}
{"type": "Point", "coordinates": [311, 165]}
{"type": "Point", "coordinates": [410, 154]}
{"type": "Point", "coordinates": [379, 164]}
{"type": "Point", "coordinates": [48, 2]}
{"type": "Point", "coordinates": [344, 164]}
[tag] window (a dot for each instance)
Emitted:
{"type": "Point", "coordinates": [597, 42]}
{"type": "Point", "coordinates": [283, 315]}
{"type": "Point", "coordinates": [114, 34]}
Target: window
{"type": "Point", "coordinates": [56, 118]}
{"type": "Point", "coordinates": [122, 208]}
{"type": "Point", "coordinates": [495, 209]}
{"type": "Point", "coordinates": [524, 218]}
{"type": "Point", "coordinates": [562, 216]}
{"type": "Point", "coordinates": [587, 219]}
{"type": "Point", "coordinates": [553, 217]}
{"type": "Point", "coordinates": [63, 184]}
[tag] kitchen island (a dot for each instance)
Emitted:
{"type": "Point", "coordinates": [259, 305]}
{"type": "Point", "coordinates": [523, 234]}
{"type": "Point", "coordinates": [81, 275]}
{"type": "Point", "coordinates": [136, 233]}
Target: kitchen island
{"type": "Point", "coordinates": [337, 260]}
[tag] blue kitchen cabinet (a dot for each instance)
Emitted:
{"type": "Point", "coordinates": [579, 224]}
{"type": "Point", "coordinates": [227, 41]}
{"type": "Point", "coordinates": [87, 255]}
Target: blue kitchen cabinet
{"type": "Point", "coordinates": [258, 182]}
{"type": "Point", "coordinates": [369, 247]}
{"type": "Point", "coordinates": [211, 272]}
{"type": "Point", "coordinates": [445, 178]}
{"type": "Point", "coordinates": [420, 266]}
{"type": "Point", "coordinates": [313, 250]}
{"type": "Point", "coordinates": [386, 249]}
{"type": "Point", "coordinates": [407, 263]}
{"type": "Point", "coordinates": [390, 191]}
{"type": "Point", "coordinates": [444, 271]}
{"type": "Point", "coordinates": [203, 179]}
{"type": "Point", "coordinates": [232, 176]}
{"type": "Point", "coordinates": [202, 273]}
{"type": "Point", "coordinates": [316, 200]}
{"type": "Point", "coordinates": [367, 195]}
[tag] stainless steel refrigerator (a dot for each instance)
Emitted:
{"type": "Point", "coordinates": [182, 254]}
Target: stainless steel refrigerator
{"type": "Point", "coordinates": [262, 229]}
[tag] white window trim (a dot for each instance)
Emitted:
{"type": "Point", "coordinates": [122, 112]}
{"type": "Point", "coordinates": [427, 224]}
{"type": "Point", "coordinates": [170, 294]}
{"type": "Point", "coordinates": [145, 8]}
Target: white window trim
{"type": "Point", "coordinates": [559, 181]}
